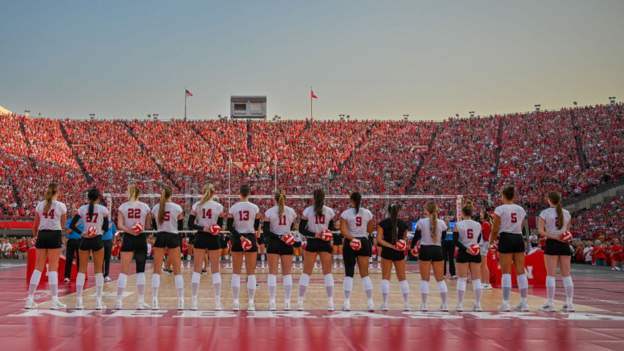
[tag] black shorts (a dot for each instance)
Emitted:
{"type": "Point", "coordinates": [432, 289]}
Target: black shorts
{"type": "Point", "coordinates": [392, 254]}
{"type": "Point", "coordinates": [262, 240]}
{"type": "Point", "coordinates": [223, 241]}
{"type": "Point", "coordinates": [167, 240]}
{"type": "Point", "coordinates": [430, 253]}
{"type": "Point", "coordinates": [557, 248]}
{"type": "Point", "coordinates": [91, 244]}
{"type": "Point", "coordinates": [365, 250]}
{"type": "Point", "coordinates": [236, 242]}
{"type": "Point", "coordinates": [510, 243]}
{"type": "Point", "coordinates": [318, 245]}
{"type": "Point", "coordinates": [191, 237]}
{"type": "Point", "coordinates": [275, 245]}
{"type": "Point", "coordinates": [49, 239]}
{"type": "Point", "coordinates": [464, 257]}
{"type": "Point", "coordinates": [336, 239]}
{"type": "Point", "coordinates": [206, 241]}
{"type": "Point", "coordinates": [134, 243]}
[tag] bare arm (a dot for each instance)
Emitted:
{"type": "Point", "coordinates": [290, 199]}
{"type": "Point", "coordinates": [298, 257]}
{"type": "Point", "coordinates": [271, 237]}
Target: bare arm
{"type": "Point", "coordinates": [495, 227]}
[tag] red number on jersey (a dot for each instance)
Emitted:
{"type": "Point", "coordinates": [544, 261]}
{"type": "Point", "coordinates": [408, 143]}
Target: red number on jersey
{"type": "Point", "coordinates": [319, 219]}
{"type": "Point", "coordinates": [134, 213]}
{"type": "Point", "coordinates": [207, 213]}
{"type": "Point", "coordinates": [49, 215]}
{"type": "Point", "coordinates": [282, 220]}
{"type": "Point", "coordinates": [166, 216]}
{"type": "Point", "coordinates": [358, 221]}
{"type": "Point", "coordinates": [243, 215]}
{"type": "Point", "coordinates": [514, 217]}
{"type": "Point", "coordinates": [469, 233]}
{"type": "Point", "coordinates": [92, 218]}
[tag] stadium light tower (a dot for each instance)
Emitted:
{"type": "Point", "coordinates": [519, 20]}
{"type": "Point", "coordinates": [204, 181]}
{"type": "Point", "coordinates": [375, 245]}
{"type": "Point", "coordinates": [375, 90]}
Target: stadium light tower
{"type": "Point", "coordinates": [612, 100]}
{"type": "Point", "coordinates": [537, 107]}
{"type": "Point", "coordinates": [457, 115]}
{"type": "Point", "coordinates": [405, 116]}
{"type": "Point", "coordinates": [575, 103]}
{"type": "Point", "coordinates": [26, 112]}
{"type": "Point", "coordinates": [92, 116]}
{"type": "Point", "coordinates": [472, 113]}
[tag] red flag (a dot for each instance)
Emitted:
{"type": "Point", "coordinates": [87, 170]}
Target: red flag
{"type": "Point", "coordinates": [312, 95]}
{"type": "Point", "coordinates": [187, 92]}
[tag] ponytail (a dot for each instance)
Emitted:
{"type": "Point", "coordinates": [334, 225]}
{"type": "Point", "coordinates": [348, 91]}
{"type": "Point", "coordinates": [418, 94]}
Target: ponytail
{"type": "Point", "coordinates": [164, 196]}
{"type": "Point", "coordinates": [555, 199]}
{"type": "Point", "coordinates": [433, 219]}
{"type": "Point", "coordinates": [467, 209]}
{"type": "Point", "coordinates": [393, 210]}
{"type": "Point", "coordinates": [208, 194]}
{"type": "Point", "coordinates": [92, 195]}
{"type": "Point", "coordinates": [357, 200]}
{"type": "Point", "coordinates": [133, 192]}
{"type": "Point", "coordinates": [319, 200]}
{"type": "Point", "coordinates": [49, 196]}
{"type": "Point", "coordinates": [280, 197]}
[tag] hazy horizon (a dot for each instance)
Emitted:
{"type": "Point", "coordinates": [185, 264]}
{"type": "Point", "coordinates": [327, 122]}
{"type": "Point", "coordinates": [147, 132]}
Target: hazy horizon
{"type": "Point", "coordinates": [367, 59]}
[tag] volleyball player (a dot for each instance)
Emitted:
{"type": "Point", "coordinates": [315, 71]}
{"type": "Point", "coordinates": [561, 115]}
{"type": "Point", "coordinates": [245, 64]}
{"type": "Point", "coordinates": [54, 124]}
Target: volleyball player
{"type": "Point", "coordinates": [94, 218]}
{"type": "Point", "coordinates": [243, 225]}
{"type": "Point", "coordinates": [50, 214]}
{"type": "Point", "coordinates": [278, 222]}
{"type": "Point", "coordinates": [467, 238]}
{"type": "Point", "coordinates": [553, 222]}
{"type": "Point", "coordinates": [168, 220]}
{"type": "Point", "coordinates": [486, 229]}
{"type": "Point", "coordinates": [507, 228]}
{"type": "Point", "coordinates": [133, 217]}
{"type": "Point", "coordinates": [206, 217]}
{"type": "Point", "coordinates": [430, 230]}
{"type": "Point", "coordinates": [337, 249]}
{"type": "Point", "coordinates": [355, 226]}
{"type": "Point", "coordinates": [316, 221]}
{"type": "Point", "coordinates": [392, 236]}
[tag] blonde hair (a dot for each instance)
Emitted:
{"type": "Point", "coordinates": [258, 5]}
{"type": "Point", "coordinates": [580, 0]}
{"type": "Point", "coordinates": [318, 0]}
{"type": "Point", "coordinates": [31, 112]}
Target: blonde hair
{"type": "Point", "coordinates": [133, 192]}
{"type": "Point", "coordinates": [164, 196]}
{"type": "Point", "coordinates": [280, 197]}
{"type": "Point", "coordinates": [208, 193]}
{"type": "Point", "coordinates": [49, 196]}
{"type": "Point", "coordinates": [432, 208]}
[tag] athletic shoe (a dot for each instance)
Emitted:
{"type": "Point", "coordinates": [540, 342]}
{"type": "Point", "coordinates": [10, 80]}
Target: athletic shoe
{"type": "Point", "coordinates": [444, 307]}
{"type": "Point", "coordinates": [218, 305]}
{"type": "Point", "coordinates": [287, 305]}
{"type": "Point", "coordinates": [235, 305]}
{"type": "Point", "coordinates": [407, 307]}
{"type": "Point", "coordinates": [141, 305]}
{"type": "Point", "coordinates": [30, 303]}
{"type": "Point", "coordinates": [486, 286]}
{"type": "Point", "coordinates": [57, 304]}
{"type": "Point", "coordinates": [384, 306]}
{"type": "Point", "coordinates": [459, 307]}
{"type": "Point", "coordinates": [330, 304]}
{"type": "Point", "coordinates": [477, 307]}
{"type": "Point", "coordinates": [423, 307]}
{"type": "Point", "coordinates": [504, 307]}
{"type": "Point", "coordinates": [107, 279]}
{"type": "Point", "coordinates": [66, 280]}
{"type": "Point", "coordinates": [180, 303]}
{"type": "Point", "coordinates": [522, 307]}
{"type": "Point", "coordinates": [272, 305]}
{"type": "Point", "coordinates": [118, 305]}
{"type": "Point", "coordinates": [99, 305]}
{"type": "Point", "coordinates": [547, 307]}
{"type": "Point", "coordinates": [251, 306]}
{"type": "Point", "coordinates": [370, 305]}
{"type": "Point", "coordinates": [79, 303]}
{"type": "Point", "coordinates": [568, 308]}
{"type": "Point", "coordinates": [300, 304]}
{"type": "Point", "coordinates": [453, 277]}
{"type": "Point", "coordinates": [346, 305]}
{"type": "Point", "coordinates": [194, 303]}
{"type": "Point", "coordinates": [155, 303]}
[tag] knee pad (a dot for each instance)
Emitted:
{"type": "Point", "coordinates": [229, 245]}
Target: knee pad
{"type": "Point", "coordinates": [251, 282]}
{"type": "Point", "coordinates": [235, 280]}
{"type": "Point", "coordinates": [195, 278]}
{"type": "Point", "coordinates": [304, 280]}
{"type": "Point", "coordinates": [140, 279]}
{"type": "Point", "coordinates": [272, 280]}
{"type": "Point", "coordinates": [347, 283]}
{"type": "Point", "coordinates": [329, 279]}
{"type": "Point", "coordinates": [461, 284]}
{"type": "Point", "coordinates": [523, 282]}
{"type": "Point", "coordinates": [367, 283]}
{"type": "Point", "coordinates": [216, 278]}
{"type": "Point", "coordinates": [424, 287]}
{"type": "Point", "coordinates": [121, 281]}
{"type": "Point", "coordinates": [385, 287]}
{"type": "Point", "coordinates": [442, 286]}
{"type": "Point", "coordinates": [288, 281]}
{"type": "Point", "coordinates": [506, 280]}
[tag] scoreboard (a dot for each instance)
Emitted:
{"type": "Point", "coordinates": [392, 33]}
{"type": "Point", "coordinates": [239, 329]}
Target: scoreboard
{"type": "Point", "coordinates": [244, 107]}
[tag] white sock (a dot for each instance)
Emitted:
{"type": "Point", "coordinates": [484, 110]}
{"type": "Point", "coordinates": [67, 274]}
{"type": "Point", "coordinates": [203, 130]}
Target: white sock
{"type": "Point", "coordinates": [140, 284]}
{"type": "Point", "coordinates": [551, 284]}
{"type": "Point", "coordinates": [179, 284]}
{"type": "Point", "coordinates": [461, 290]}
{"type": "Point", "coordinates": [195, 280]}
{"type": "Point", "coordinates": [34, 282]}
{"type": "Point", "coordinates": [53, 283]}
{"type": "Point", "coordinates": [251, 286]}
{"type": "Point", "coordinates": [329, 285]}
{"type": "Point", "coordinates": [121, 285]}
{"type": "Point", "coordinates": [216, 283]}
{"type": "Point", "coordinates": [443, 291]}
{"type": "Point", "coordinates": [347, 286]}
{"type": "Point", "coordinates": [368, 287]}
{"type": "Point", "coordinates": [288, 283]}
{"type": "Point", "coordinates": [424, 291]}
{"type": "Point", "coordinates": [568, 285]}
{"type": "Point", "coordinates": [476, 287]}
{"type": "Point", "coordinates": [523, 286]}
{"type": "Point", "coordinates": [99, 285]}
{"type": "Point", "coordinates": [405, 290]}
{"type": "Point", "coordinates": [506, 285]}
{"type": "Point", "coordinates": [385, 290]}
{"type": "Point", "coordinates": [304, 280]}
{"type": "Point", "coordinates": [235, 286]}
{"type": "Point", "coordinates": [80, 280]}
{"type": "Point", "coordinates": [272, 284]}
{"type": "Point", "coordinates": [155, 284]}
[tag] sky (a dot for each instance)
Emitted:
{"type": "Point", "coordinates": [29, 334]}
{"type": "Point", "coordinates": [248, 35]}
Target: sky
{"type": "Point", "coordinates": [368, 59]}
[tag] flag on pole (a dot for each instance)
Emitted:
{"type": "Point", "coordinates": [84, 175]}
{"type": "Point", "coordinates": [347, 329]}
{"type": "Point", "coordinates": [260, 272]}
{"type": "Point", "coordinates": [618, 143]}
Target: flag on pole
{"type": "Point", "coordinates": [187, 92]}
{"type": "Point", "coordinates": [313, 95]}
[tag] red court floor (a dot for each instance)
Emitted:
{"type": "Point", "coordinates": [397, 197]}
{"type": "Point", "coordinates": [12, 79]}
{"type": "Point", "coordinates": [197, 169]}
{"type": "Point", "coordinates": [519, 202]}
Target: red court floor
{"type": "Point", "coordinates": [601, 329]}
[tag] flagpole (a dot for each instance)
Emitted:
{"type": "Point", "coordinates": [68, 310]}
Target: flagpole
{"type": "Point", "coordinates": [311, 114]}
{"type": "Point", "coordinates": [185, 97]}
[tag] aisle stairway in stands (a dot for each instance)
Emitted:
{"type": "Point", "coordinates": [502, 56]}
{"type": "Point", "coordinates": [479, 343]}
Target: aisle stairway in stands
{"type": "Point", "coordinates": [497, 153]}
{"type": "Point", "coordinates": [74, 151]}
{"type": "Point", "coordinates": [22, 127]}
{"type": "Point", "coordinates": [414, 178]}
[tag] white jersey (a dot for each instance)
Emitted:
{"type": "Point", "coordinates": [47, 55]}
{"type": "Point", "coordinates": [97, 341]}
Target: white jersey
{"type": "Point", "coordinates": [95, 220]}
{"type": "Point", "coordinates": [280, 225]}
{"type": "Point", "coordinates": [317, 224]}
{"type": "Point", "coordinates": [52, 219]}
{"type": "Point", "coordinates": [511, 218]}
{"type": "Point", "coordinates": [207, 214]}
{"type": "Point", "coordinates": [469, 232]}
{"type": "Point", "coordinates": [244, 215]}
{"type": "Point", "coordinates": [549, 216]}
{"type": "Point", "coordinates": [424, 225]}
{"type": "Point", "coordinates": [170, 220]}
{"type": "Point", "coordinates": [357, 222]}
{"type": "Point", "coordinates": [134, 212]}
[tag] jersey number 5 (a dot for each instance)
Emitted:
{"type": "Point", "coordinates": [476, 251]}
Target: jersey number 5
{"type": "Point", "coordinates": [514, 217]}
